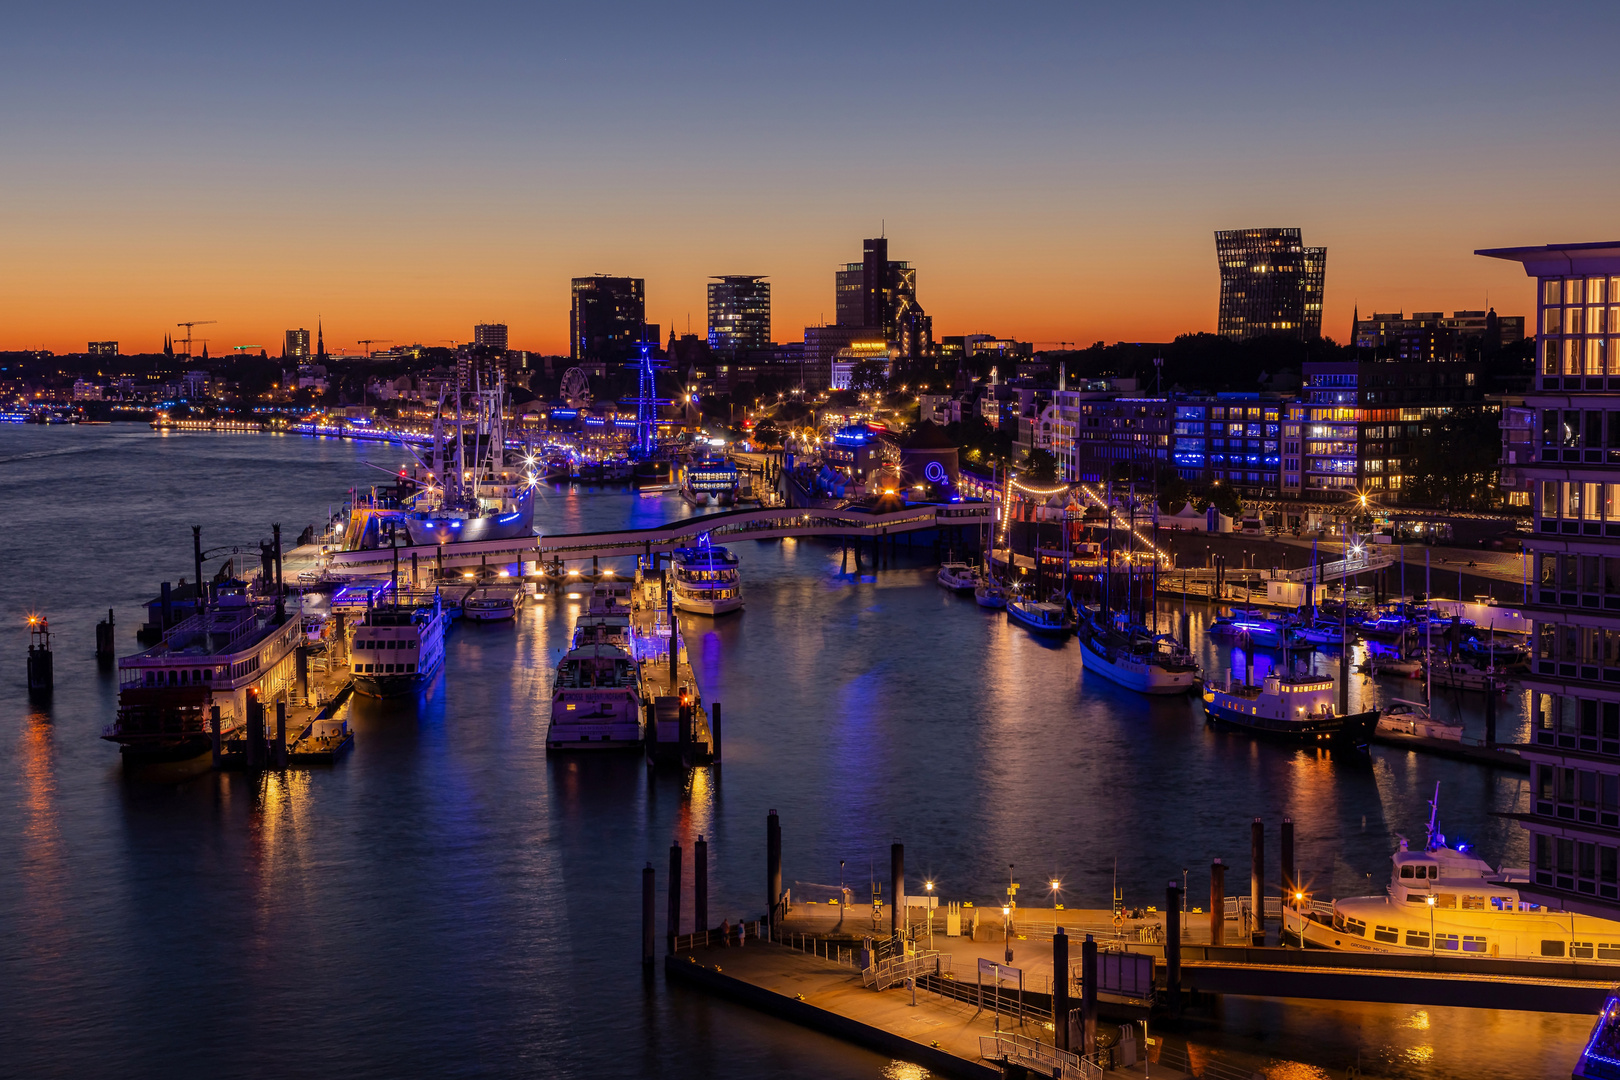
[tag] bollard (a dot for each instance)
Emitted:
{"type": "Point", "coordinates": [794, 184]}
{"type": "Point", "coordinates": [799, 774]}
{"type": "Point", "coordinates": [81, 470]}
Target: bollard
{"type": "Point", "coordinates": [897, 889]}
{"type": "Point", "coordinates": [213, 732]}
{"type": "Point", "coordinates": [1060, 988]}
{"type": "Point", "coordinates": [714, 725]}
{"type": "Point", "coordinates": [255, 732]}
{"type": "Point", "coordinates": [281, 733]}
{"type": "Point", "coordinates": [773, 866]}
{"type": "Point", "coordinates": [674, 925]}
{"type": "Point", "coordinates": [1172, 945]}
{"type": "Point", "coordinates": [648, 919]}
{"type": "Point", "coordinates": [1088, 995]}
{"type": "Point", "coordinates": [1217, 903]}
{"type": "Point", "coordinates": [1257, 881]}
{"type": "Point", "coordinates": [700, 885]}
{"type": "Point", "coordinates": [1290, 884]}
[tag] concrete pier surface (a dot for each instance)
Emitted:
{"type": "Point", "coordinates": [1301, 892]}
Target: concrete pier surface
{"type": "Point", "coordinates": [939, 1033]}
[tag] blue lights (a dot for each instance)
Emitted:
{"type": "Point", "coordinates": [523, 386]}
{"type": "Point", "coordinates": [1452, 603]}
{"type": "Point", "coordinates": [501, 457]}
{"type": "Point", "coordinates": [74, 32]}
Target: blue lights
{"type": "Point", "coordinates": [564, 414]}
{"type": "Point", "coordinates": [935, 473]}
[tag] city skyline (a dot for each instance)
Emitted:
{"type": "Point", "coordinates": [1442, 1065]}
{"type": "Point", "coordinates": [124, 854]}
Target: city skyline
{"type": "Point", "coordinates": [1058, 178]}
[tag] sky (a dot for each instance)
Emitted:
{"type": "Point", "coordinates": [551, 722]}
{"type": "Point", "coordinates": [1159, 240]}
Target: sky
{"type": "Point", "coordinates": [401, 171]}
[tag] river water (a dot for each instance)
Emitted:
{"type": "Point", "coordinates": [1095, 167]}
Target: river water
{"type": "Point", "coordinates": [449, 901]}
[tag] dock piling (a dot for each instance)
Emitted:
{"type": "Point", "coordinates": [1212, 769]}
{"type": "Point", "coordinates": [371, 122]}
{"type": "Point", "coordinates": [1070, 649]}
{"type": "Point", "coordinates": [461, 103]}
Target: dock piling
{"type": "Point", "coordinates": [773, 866]}
{"type": "Point", "coordinates": [1288, 879]}
{"type": "Point", "coordinates": [700, 885]}
{"type": "Point", "coordinates": [1257, 882]}
{"type": "Point", "coordinates": [104, 638]}
{"type": "Point", "coordinates": [255, 732]}
{"type": "Point", "coordinates": [897, 889]}
{"type": "Point", "coordinates": [281, 733]}
{"type": "Point", "coordinates": [674, 916]}
{"type": "Point", "coordinates": [1217, 902]}
{"type": "Point", "coordinates": [213, 732]}
{"type": "Point", "coordinates": [648, 919]}
{"type": "Point", "coordinates": [1172, 945]}
{"type": "Point", "coordinates": [1060, 988]}
{"type": "Point", "coordinates": [714, 725]}
{"type": "Point", "coordinates": [1088, 995]}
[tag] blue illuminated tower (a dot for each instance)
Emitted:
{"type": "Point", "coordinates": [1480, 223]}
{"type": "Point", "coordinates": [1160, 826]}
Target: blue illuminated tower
{"type": "Point", "coordinates": [647, 402]}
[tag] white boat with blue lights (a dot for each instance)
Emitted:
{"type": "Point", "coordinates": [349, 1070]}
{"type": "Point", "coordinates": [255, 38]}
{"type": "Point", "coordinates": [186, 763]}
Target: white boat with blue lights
{"type": "Point", "coordinates": [1256, 629]}
{"type": "Point", "coordinates": [398, 648]}
{"type": "Point", "coordinates": [1040, 618]}
{"type": "Point", "coordinates": [706, 579]}
{"type": "Point", "coordinates": [1446, 900]}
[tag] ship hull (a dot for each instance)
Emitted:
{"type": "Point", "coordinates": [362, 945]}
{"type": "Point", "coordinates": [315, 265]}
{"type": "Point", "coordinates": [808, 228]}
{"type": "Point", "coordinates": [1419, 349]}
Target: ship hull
{"type": "Point", "coordinates": [697, 606]}
{"type": "Point", "coordinates": [1352, 728]}
{"type": "Point", "coordinates": [1037, 626]}
{"type": "Point", "coordinates": [1143, 678]}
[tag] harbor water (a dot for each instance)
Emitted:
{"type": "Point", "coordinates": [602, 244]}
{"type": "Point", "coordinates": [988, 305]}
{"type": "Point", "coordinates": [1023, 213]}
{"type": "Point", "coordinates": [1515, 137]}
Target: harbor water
{"type": "Point", "coordinates": [449, 901]}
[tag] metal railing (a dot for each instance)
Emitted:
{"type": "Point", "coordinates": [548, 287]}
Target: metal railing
{"type": "Point", "coordinates": [703, 939]}
{"type": "Point", "coordinates": [894, 971]}
{"type": "Point", "coordinates": [1204, 1068]}
{"type": "Point", "coordinates": [1033, 1054]}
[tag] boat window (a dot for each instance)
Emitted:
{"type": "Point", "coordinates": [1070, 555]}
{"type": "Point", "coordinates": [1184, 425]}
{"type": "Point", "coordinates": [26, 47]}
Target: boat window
{"type": "Point", "coordinates": [1406, 871]}
{"type": "Point", "coordinates": [1445, 941]}
{"type": "Point", "coordinates": [1387, 934]}
{"type": "Point", "coordinates": [1471, 943]}
{"type": "Point", "coordinates": [1581, 950]}
{"type": "Point", "coordinates": [1552, 948]}
{"type": "Point", "coordinates": [1446, 900]}
{"type": "Point", "coordinates": [1502, 903]}
{"type": "Point", "coordinates": [1417, 939]}
{"type": "Point", "coordinates": [1473, 903]}
{"type": "Point", "coordinates": [1355, 926]}
{"type": "Point", "coordinates": [1434, 872]}
{"type": "Point", "coordinates": [1608, 952]}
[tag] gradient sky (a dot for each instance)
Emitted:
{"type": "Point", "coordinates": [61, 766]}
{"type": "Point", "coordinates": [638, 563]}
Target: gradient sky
{"type": "Point", "coordinates": [405, 170]}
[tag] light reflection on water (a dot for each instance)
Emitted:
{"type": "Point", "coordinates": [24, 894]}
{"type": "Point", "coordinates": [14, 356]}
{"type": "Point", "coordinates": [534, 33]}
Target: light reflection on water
{"type": "Point", "coordinates": [448, 899]}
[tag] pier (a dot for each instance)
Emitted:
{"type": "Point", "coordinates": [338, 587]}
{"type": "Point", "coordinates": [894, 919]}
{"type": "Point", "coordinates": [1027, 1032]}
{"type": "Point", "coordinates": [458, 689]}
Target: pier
{"type": "Point", "coordinates": [680, 729]}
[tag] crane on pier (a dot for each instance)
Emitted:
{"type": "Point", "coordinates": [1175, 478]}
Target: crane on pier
{"type": "Point", "coordinates": [188, 326]}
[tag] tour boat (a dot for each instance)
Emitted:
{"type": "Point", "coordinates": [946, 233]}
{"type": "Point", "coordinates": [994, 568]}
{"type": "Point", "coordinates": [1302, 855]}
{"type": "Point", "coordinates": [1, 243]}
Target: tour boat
{"type": "Point", "coordinates": [1600, 1059]}
{"type": "Point", "coordinates": [959, 577]}
{"type": "Point", "coordinates": [1045, 620]}
{"type": "Point", "coordinates": [709, 482]}
{"type": "Point", "coordinates": [990, 596]}
{"type": "Point", "coordinates": [1448, 900]}
{"type": "Point", "coordinates": [706, 580]}
{"type": "Point", "coordinates": [1134, 658]}
{"type": "Point", "coordinates": [1294, 707]}
{"type": "Point", "coordinates": [238, 644]}
{"type": "Point", "coordinates": [596, 701]}
{"type": "Point", "coordinates": [1403, 717]}
{"type": "Point", "coordinates": [398, 649]}
{"type": "Point", "coordinates": [493, 603]}
{"type": "Point", "coordinates": [1253, 628]}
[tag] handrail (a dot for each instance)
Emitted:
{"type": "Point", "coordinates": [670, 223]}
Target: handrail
{"type": "Point", "coordinates": [1014, 1048]}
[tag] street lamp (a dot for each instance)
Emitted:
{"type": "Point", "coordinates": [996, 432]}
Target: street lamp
{"type": "Point", "coordinates": [1006, 929]}
{"type": "Point", "coordinates": [1430, 899]}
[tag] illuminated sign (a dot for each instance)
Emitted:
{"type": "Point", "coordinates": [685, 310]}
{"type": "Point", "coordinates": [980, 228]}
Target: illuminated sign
{"type": "Point", "coordinates": [935, 473]}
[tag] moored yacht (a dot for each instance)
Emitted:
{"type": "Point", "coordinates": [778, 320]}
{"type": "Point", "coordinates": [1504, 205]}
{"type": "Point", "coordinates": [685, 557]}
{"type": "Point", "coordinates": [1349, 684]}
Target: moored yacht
{"type": "Point", "coordinates": [1294, 707]}
{"type": "Point", "coordinates": [1258, 630]}
{"type": "Point", "coordinates": [706, 579]}
{"type": "Point", "coordinates": [398, 648]}
{"type": "Point", "coordinates": [1134, 658]}
{"type": "Point", "coordinates": [959, 577]}
{"type": "Point", "coordinates": [493, 603]}
{"type": "Point", "coordinates": [1447, 900]}
{"type": "Point", "coordinates": [1402, 717]}
{"type": "Point", "coordinates": [1041, 619]}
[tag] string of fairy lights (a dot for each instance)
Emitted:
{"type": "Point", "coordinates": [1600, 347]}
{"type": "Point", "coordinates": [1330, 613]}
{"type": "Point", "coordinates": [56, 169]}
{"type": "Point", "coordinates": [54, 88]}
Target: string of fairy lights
{"type": "Point", "coordinates": [1013, 484]}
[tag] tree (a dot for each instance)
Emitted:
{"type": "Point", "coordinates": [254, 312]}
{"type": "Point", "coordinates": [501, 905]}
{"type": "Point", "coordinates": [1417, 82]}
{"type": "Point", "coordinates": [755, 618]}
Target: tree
{"type": "Point", "coordinates": [1040, 467]}
{"type": "Point", "coordinates": [867, 377]}
{"type": "Point", "coordinates": [1222, 497]}
{"type": "Point", "coordinates": [1174, 492]}
{"type": "Point", "coordinates": [766, 433]}
{"type": "Point", "coordinates": [1454, 466]}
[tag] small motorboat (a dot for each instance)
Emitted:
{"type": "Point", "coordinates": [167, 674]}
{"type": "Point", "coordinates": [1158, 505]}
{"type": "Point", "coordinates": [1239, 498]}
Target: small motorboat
{"type": "Point", "coordinates": [1248, 626]}
{"type": "Point", "coordinates": [990, 595]}
{"type": "Point", "coordinates": [958, 577]}
{"type": "Point", "coordinates": [1393, 663]}
{"type": "Point", "coordinates": [1046, 620]}
{"type": "Point", "coordinates": [1404, 717]}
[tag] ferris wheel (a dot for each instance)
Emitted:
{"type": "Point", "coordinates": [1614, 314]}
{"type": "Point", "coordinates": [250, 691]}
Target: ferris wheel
{"type": "Point", "coordinates": [576, 388]}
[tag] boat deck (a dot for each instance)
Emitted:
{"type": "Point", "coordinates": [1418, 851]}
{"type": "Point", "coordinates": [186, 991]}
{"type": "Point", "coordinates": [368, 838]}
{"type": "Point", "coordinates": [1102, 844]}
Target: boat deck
{"type": "Point", "coordinates": [661, 687]}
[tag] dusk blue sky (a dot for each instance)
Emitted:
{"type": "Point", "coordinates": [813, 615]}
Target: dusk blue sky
{"type": "Point", "coordinates": [1055, 171]}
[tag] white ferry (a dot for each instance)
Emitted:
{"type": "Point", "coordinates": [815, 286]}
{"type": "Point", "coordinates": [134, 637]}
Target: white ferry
{"type": "Point", "coordinates": [397, 649]}
{"type": "Point", "coordinates": [706, 580]}
{"type": "Point", "coordinates": [596, 701]}
{"type": "Point", "coordinates": [1447, 900]}
{"type": "Point", "coordinates": [239, 643]}
{"type": "Point", "coordinates": [493, 603]}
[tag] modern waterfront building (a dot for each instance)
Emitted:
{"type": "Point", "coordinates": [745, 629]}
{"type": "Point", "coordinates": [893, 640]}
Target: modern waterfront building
{"type": "Point", "coordinates": [822, 344]}
{"type": "Point", "coordinates": [490, 335]}
{"type": "Point", "coordinates": [1271, 284]}
{"type": "Point", "coordinates": [739, 312]}
{"type": "Point", "coordinates": [103, 348]}
{"type": "Point", "coordinates": [846, 360]}
{"type": "Point", "coordinates": [608, 317]}
{"type": "Point", "coordinates": [1573, 813]}
{"type": "Point", "coordinates": [296, 345]}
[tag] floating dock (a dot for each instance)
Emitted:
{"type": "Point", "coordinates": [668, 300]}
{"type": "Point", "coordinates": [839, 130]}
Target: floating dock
{"type": "Point", "coordinates": [680, 729]}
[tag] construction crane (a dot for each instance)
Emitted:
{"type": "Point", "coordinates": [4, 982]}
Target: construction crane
{"type": "Point", "coordinates": [240, 349]}
{"type": "Point", "coordinates": [368, 342]}
{"type": "Point", "coordinates": [188, 326]}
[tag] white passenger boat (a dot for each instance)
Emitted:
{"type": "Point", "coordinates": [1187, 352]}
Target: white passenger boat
{"type": "Point", "coordinates": [1448, 901]}
{"type": "Point", "coordinates": [493, 603]}
{"type": "Point", "coordinates": [1402, 717]}
{"type": "Point", "coordinates": [959, 577]}
{"type": "Point", "coordinates": [397, 649]}
{"type": "Point", "coordinates": [706, 579]}
{"type": "Point", "coordinates": [596, 701]}
{"type": "Point", "coordinates": [1134, 658]}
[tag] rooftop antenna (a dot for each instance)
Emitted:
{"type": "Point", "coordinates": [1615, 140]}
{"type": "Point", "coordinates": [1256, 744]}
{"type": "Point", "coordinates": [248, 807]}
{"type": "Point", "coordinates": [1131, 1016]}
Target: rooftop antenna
{"type": "Point", "coordinates": [883, 229]}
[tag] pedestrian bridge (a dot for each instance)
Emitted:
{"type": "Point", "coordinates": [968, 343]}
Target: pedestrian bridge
{"type": "Point", "coordinates": [751, 524]}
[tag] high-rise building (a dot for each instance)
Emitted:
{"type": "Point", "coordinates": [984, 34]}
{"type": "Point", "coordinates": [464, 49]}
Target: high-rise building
{"type": "Point", "coordinates": [491, 335]}
{"type": "Point", "coordinates": [1573, 475]}
{"type": "Point", "coordinates": [608, 317]}
{"type": "Point", "coordinates": [739, 313]}
{"type": "Point", "coordinates": [103, 348]}
{"type": "Point", "coordinates": [882, 294]}
{"type": "Point", "coordinates": [1271, 284]}
{"type": "Point", "coordinates": [296, 345]}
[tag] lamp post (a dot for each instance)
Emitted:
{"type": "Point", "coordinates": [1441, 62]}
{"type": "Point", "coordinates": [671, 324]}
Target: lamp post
{"type": "Point", "coordinates": [928, 891]}
{"type": "Point", "coordinates": [1430, 899]}
{"type": "Point", "coordinates": [1006, 930]}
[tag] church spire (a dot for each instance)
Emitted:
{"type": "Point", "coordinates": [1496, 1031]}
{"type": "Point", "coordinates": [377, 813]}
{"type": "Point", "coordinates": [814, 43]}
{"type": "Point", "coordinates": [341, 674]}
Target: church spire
{"type": "Point", "coordinates": [320, 341]}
